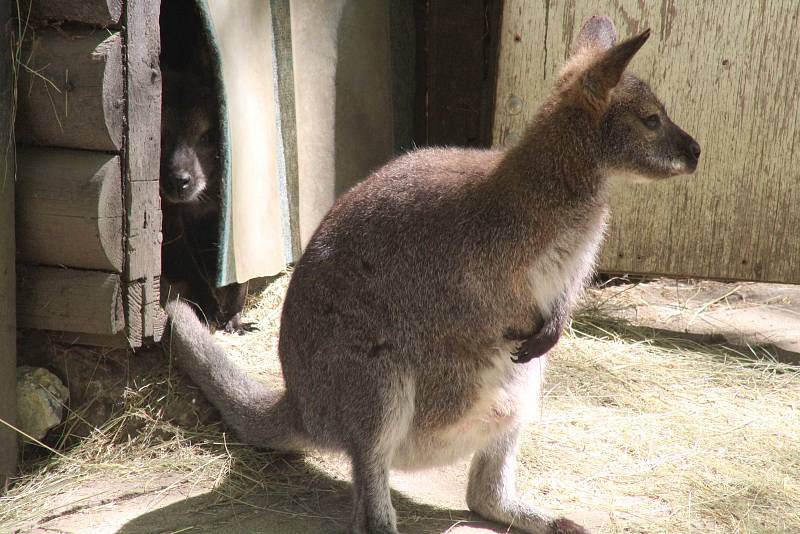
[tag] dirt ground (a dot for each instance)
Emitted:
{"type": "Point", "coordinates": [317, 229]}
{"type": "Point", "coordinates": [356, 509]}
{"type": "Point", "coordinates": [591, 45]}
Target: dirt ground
{"type": "Point", "coordinates": [602, 453]}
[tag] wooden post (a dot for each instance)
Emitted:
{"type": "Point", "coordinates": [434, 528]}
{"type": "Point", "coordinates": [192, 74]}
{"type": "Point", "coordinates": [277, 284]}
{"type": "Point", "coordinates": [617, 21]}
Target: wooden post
{"type": "Point", "coordinates": [8, 327]}
{"type": "Point", "coordinates": [142, 269]}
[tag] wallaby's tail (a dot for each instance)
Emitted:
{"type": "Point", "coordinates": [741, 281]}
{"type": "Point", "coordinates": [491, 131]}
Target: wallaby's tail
{"type": "Point", "coordinates": [258, 415]}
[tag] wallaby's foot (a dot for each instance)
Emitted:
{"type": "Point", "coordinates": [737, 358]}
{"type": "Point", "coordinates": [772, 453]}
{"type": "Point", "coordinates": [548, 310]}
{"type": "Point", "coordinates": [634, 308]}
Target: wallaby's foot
{"type": "Point", "coordinates": [491, 492]}
{"type": "Point", "coordinates": [521, 516]}
{"type": "Point", "coordinates": [562, 525]}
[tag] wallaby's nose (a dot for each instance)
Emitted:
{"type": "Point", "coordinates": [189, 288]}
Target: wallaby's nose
{"type": "Point", "coordinates": [182, 180]}
{"type": "Point", "coordinates": [694, 149]}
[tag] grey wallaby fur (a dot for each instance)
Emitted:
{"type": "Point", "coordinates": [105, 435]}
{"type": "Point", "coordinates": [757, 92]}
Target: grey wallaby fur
{"type": "Point", "coordinates": [426, 288]}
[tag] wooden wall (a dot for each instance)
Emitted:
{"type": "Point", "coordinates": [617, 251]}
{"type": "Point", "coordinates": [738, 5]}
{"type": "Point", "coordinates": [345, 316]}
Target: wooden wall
{"type": "Point", "coordinates": [8, 328]}
{"type": "Point", "coordinates": [728, 74]}
{"type": "Point", "coordinates": [88, 205]}
{"type": "Point", "coordinates": [456, 56]}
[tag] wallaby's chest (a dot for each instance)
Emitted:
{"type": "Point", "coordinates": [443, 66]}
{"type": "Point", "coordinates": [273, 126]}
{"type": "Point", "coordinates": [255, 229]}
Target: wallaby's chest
{"type": "Point", "coordinates": [561, 268]}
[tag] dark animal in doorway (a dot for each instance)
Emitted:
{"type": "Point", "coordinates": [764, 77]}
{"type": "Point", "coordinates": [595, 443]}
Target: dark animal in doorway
{"type": "Point", "coordinates": [190, 182]}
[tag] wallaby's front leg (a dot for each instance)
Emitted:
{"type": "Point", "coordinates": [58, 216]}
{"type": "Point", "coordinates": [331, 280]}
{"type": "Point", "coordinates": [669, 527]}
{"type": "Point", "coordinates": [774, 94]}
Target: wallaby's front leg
{"type": "Point", "coordinates": [491, 492]}
{"type": "Point", "coordinates": [547, 334]}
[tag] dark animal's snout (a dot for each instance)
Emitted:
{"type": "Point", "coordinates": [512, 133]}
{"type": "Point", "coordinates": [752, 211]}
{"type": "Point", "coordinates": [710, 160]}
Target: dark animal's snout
{"type": "Point", "coordinates": [182, 180]}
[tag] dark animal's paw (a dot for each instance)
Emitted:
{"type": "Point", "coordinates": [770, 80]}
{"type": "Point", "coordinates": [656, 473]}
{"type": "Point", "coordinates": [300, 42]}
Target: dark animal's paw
{"type": "Point", "coordinates": [236, 326]}
{"type": "Point", "coordinates": [536, 345]}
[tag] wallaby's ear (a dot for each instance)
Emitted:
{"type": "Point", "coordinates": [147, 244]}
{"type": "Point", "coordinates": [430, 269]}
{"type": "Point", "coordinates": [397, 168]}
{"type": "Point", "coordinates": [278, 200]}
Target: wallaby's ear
{"type": "Point", "coordinates": [605, 71]}
{"type": "Point", "coordinates": [597, 33]}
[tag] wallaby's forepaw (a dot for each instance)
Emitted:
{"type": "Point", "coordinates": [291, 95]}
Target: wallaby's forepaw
{"type": "Point", "coordinates": [562, 525]}
{"type": "Point", "coordinates": [536, 345]}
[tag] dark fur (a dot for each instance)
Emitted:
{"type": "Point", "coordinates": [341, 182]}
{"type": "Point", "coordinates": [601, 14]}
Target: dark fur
{"type": "Point", "coordinates": [191, 200]}
{"type": "Point", "coordinates": [394, 339]}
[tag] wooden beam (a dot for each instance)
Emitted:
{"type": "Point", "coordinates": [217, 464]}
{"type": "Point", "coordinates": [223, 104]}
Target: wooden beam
{"type": "Point", "coordinates": [69, 208]}
{"type": "Point", "coordinates": [88, 302]}
{"type": "Point", "coordinates": [71, 90]}
{"type": "Point", "coordinates": [8, 328]}
{"type": "Point", "coordinates": [96, 12]}
{"type": "Point", "coordinates": [141, 163]}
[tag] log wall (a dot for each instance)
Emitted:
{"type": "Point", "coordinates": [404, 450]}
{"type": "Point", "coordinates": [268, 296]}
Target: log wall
{"type": "Point", "coordinates": [88, 205]}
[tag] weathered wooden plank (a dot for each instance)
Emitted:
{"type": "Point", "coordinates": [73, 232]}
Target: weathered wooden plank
{"type": "Point", "coordinates": [69, 300]}
{"type": "Point", "coordinates": [69, 208]}
{"type": "Point", "coordinates": [71, 90]}
{"type": "Point", "coordinates": [145, 318]}
{"type": "Point", "coordinates": [734, 86]}
{"type": "Point", "coordinates": [8, 328]}
{"type": "Point", "coordinates": [96, 12]}
{"type": "Point", "coordinates": [143, 138]}
{"type": "Point", "coordinates": [144, 231]}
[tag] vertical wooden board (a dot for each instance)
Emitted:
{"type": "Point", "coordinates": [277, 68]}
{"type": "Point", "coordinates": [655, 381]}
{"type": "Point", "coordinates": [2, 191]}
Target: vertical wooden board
{"type": "Point", "coordinates": [142, 158]}
{"type": "Point", "coordinates": [143, 248]}
{"type": "Point", "coordinates": [71, 90]}
{"type": "Point", "coordinates": [143, 245]}
{"type": "Point", "coordinates": [145, 318]}
{"type": "Point", "coordinates": [728, 74]}
{"type": "Point", "coordinates": [8, 327]}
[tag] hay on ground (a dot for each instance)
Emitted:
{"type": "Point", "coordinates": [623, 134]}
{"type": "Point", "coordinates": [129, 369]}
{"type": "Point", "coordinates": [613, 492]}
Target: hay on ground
{"type": "Point", "coordinates": [659, 434]}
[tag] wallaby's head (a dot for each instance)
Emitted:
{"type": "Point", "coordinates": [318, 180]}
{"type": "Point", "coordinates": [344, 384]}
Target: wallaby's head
{"type": "Point", "coordinates": [189, 140]}
{"type": "Point", "coordinates": [637, 138]}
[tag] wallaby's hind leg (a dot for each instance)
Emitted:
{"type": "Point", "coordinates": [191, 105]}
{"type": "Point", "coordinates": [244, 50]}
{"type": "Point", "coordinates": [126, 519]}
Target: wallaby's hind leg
{"type": "Point", "coordinates": [376, 419]}
{"type": "Point", "coordinates": [491, 491]}
{"type": "Point", "coordinates": [373, 512]}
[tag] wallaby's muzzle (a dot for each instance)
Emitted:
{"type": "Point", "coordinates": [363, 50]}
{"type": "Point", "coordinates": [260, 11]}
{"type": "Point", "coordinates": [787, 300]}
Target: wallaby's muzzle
{"type": "Point", "coordinates": [691, 150]}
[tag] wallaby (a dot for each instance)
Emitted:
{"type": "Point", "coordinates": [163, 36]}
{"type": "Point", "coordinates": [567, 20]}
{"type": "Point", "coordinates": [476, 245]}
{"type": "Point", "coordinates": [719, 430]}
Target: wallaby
{"type": "Point", "coordinates": [411, 315]}
{"type": "Point", "coordinates": [190, 189]}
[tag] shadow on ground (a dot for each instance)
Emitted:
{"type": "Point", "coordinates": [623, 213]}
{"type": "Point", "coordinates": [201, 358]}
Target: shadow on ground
{"type": "Point", "coordinates": [292, 496]}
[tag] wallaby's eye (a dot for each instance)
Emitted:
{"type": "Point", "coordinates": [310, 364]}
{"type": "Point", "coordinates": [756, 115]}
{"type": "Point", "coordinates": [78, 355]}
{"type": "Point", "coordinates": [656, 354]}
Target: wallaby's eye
{"type": "Point", "coordinates": [653, 121]}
